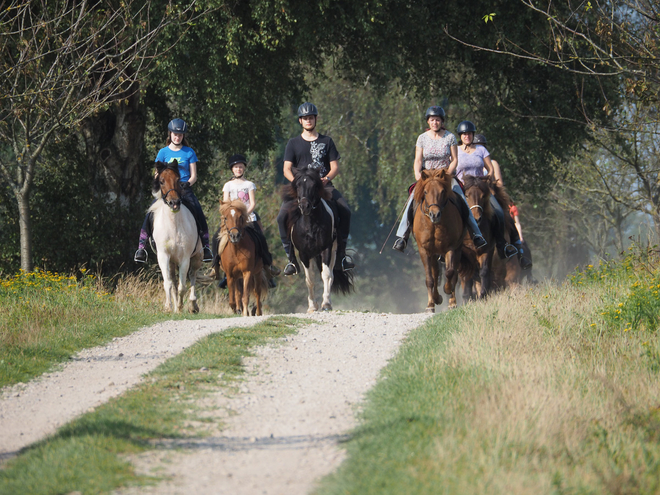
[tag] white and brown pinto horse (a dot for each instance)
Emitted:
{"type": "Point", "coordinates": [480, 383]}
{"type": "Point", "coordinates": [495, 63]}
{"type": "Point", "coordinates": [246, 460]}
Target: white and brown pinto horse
{"type": "Point", "coordinates": [176, 237]}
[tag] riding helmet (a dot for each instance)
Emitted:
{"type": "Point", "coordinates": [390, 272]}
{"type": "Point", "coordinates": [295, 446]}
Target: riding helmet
{"type": "Point", "coordinates": [480, 139]}
{"type": "Point", "coordinates": [177, 125]}
{"type": "Point", "coordinates": [237, 158]}
{"type": "Point", "coordinates": [307, 109]}
{"type": "Point", "coordinates": [465, 126]}
{"type": "Point", "coordinates": [435, 111]}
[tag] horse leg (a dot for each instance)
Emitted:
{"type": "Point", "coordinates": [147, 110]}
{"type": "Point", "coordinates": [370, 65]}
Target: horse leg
{"type": "Point", "coordinates": [328, 278]}
{"type": "Point", "coordinates": [430, 283]}
{"type": "Point", "coordinates": [164, 263]}
{"type": "Point", "coordinates": [309, 280]}
{"type": "Point", "coordinates": [231, 288]}
{"type": "Point", "coordinates": [452, 258]}
{"type": "Point", "coordinates": [257, 294]}
{"type": "Point", "coordinates": [484, 273]}
{"type": "Point", "coordinates": [183, 277]}
{"type": "Point", "coordinates": [247, 287]}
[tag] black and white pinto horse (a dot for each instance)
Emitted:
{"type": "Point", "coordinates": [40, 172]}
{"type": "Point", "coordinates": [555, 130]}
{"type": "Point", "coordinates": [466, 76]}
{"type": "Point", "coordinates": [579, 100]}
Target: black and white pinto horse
{"type": "Point", "coordinates": [312, 224]}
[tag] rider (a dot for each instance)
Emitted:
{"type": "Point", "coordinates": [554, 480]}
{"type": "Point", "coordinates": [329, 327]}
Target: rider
{"type": "Point", "coordinates": [317, 151]}
{"type": "Point", "coordinates": [435, 149]}
{"type": "Point", "coordinates": [177, 149]}
{"type": "Point", "coordinates": [472, 159]}
{"type": "Point", "coordinates": [515, 234]}
{"type": "Point", "coordinates": [238, 187]}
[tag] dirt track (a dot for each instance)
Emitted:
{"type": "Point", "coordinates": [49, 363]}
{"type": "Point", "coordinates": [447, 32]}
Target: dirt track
{"type": "Point", "coordinates": [281, 430]}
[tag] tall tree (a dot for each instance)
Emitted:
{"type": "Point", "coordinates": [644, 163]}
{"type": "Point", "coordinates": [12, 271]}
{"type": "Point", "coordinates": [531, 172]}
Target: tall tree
{"type": "Point", "coordinates": [63, 62]}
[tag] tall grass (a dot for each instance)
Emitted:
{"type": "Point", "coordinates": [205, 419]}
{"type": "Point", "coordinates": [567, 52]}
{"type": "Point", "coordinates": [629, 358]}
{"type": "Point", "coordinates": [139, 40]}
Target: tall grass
{"type": "Point", "coordinates": [46, 317]}
{"type": "Point", "coordinates": [544, 390]}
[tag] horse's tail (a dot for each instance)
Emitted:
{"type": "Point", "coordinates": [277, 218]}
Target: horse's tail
{"type": "Point", "coordinates": [469, 263]}
{"type": "Point", "coordinates": [343, 281]}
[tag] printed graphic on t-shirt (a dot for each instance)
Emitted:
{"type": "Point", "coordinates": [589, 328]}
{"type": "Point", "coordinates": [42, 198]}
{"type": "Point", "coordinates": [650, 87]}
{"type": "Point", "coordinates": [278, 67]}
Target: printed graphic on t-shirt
{"type": "Point", "coordinates": [317, 150]}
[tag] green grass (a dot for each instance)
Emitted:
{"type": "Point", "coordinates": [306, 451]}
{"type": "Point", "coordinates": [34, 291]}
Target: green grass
{"type": "Point", "coordinates": [86, 455]}
{"type": "Point", "coordinates": [531, 391]}
{"type": "Point", "coordinates": [45, 318]}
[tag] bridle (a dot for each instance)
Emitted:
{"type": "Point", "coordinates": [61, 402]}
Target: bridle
{"type": "Point", "coordinates": [313, 205]}
{"type": "Point", "coordinates": [237, 232]}
{"type": "Point", "coordinates": [426, 208]}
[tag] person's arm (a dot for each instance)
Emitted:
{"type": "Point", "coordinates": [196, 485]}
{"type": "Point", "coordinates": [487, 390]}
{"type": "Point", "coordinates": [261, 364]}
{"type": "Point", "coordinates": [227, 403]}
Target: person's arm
{"type": "Point", "coordinates": [497, 173]}
{"type": "Point", "coordinates": [253, 201]}
{"type": "Point", "coordinates": [516, 221]}
{"type": "Point", "coordinates": [288, 172]}
{"type": "Point", "coordinates": [334, 171]}
{"type": "Point", "coordinates": [193, 173]}
{"type": "Point", "coordinates": [417, 166]}
{"type": "Point", "coordinates": [488, 165]}
{"type": "Point", "coordinates": [454, 159]}
{"type": "Point", "coordinates": [225, 196]}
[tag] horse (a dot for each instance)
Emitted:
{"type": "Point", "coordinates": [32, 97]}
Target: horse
{"type": "Point", "coordinates": [237, 252]}
{"type": "Point", "coordinates": [311, 222]}
{"type": "Point", "coordinates": [175, 234]}
{"type": "Point", "coordinates": [439, 229]}
{"type": "Point", "coordinates": [478, 194]}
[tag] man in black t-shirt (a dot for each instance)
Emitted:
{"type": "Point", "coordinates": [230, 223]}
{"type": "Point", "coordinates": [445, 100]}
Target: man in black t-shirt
{"type": "Point", "coordinates": [313, 150]}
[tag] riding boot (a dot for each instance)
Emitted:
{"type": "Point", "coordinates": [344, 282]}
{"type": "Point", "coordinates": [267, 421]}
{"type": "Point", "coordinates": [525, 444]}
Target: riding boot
{"type": "Point", "coordinates": [504, 249]}
{"type": "Point", "coordinates": [343, 261]}
{"type": "Point", "coordinates": [208, 254]}
{"type": "Point", "coordinates": [525, 262]}
{"type": "Point", "coordinates": [291, 267]}
{"type": "Point", "coordinates": [403, 232]}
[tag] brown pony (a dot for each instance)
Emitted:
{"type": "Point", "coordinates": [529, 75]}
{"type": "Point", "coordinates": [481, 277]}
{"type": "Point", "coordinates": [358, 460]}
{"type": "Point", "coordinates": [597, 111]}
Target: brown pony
{"type": "Point", "coordinates": [478, 194]}
{"type": "Point", "coordinates": [439, 230]}
{"type": "Point", "coordinates": [237, 252]}
{"type": "Point", "coordinates": [507, 272]}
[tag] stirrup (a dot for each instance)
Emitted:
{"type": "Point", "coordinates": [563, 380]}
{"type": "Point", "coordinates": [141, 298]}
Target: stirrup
{"type": "Point", "coordinates": [288, 272]}
{"type": "Point", "coordinates": [400, 244]}
{"type": "Point", "coordinates": [141, 256]}
{"type": "Point", "coordinates": [479, 241]}
{"type": "Point", "coordinates": [510, 250]}
{"type": "Point", "coordinates": [347, 263]}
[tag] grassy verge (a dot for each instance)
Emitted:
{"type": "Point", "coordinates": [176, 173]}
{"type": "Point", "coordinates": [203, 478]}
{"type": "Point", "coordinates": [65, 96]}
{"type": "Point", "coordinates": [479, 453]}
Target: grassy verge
{"type": "Point", "coordinates": [85, 456]}
{"type": "Point", "coordinates": [46, 317]}
{"type": "Point", "coordinates": [551, 390]}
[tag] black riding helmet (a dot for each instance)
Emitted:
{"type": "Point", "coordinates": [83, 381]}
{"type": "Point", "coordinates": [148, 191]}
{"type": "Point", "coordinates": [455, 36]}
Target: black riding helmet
{"type": "Point", "coordinates": [435, 111]}
{"type": "Point", "coordinates": [237, 158]}
{"type": "Point", "coordinates": [465, 126]}
{"type": "Point", "coordinates": [480, 139]}
{"type": "Point", "coordinates": [177, 125]}
{"type": "Point", "coordinates": [307, 109]}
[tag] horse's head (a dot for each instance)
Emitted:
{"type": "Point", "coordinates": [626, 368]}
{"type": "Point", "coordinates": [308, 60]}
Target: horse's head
{"type": "Point", "coordinates": [432, 193]}
{"type": "Point", "coordinates": [234, 218]}
{"type": "Point", "coordinates": [477, 193]}
{"type": "Point", "coordinates": [309, 189]}
{"type": "Point", "coordinates": [167, 182]}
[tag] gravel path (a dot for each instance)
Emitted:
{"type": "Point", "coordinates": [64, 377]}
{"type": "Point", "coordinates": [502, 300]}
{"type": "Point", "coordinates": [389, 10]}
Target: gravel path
{"type": "Point", "coordinates": [282, 427]}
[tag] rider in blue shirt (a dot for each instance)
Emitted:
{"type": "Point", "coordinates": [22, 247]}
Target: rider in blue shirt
{"type": "Point", "coordinates": [177, 149]}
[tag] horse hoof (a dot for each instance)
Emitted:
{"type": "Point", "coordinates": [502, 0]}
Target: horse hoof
{"type": "Point", "coordinates": [430, 310]}
{"type": "Point", "coordinates": [311, 310]}
{"type": "Point", "coordinates": [194, 309]}
{"type": "Point", "coordinates": [326, 307]}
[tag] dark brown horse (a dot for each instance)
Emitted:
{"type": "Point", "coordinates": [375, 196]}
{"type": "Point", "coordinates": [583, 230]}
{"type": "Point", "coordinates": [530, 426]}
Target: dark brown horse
{"type": "Point", "coordinates": [244, 269]}
{"type": "Point", "coordinates": [439, 230]}
{"type": "Point", "coordinates": [478, 194]}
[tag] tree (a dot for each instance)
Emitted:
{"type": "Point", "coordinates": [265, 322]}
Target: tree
{"type": "Point", "coordinates": [62, 63]}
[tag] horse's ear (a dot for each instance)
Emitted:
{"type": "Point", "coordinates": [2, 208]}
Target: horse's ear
{"type": "Point", "coordinates": [160, 166]}
{"type": "Point", "coordinates": [173, 165]}
{"type": "Point", "coordinates": [425, 174]}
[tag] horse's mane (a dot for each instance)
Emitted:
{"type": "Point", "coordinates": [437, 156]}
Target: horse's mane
{"type": "Point", "coordinates": [160, 167]}
{"type": "Point", "coordinates": [439, 176]}
{"type": "Point", "coordinates": [237, 204]}
{"type": "Point", "coordinates": [501, 196]}
{"type": "Point", "coordinates": [484, 185]}
{"type": "Point", "coordinates": [291, 191]}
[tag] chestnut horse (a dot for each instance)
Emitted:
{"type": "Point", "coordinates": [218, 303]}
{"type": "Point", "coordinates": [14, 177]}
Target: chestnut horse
{"type": "Point", "coordinates": [478, 194]}
{"type": "Point", "coordinates": [176, 237]}
{"type": "Point", "coordinates": [312, 226]}
{"type": "Point", "coordinates": [439, 230]}
{"type": "Point", "coordinates": [238, 255]}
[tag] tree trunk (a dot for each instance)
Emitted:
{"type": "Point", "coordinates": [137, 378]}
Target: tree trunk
{"type": "Point", "coordinates": [114, 142]}
{"type": "Point", "coordinates": [23, 200]}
